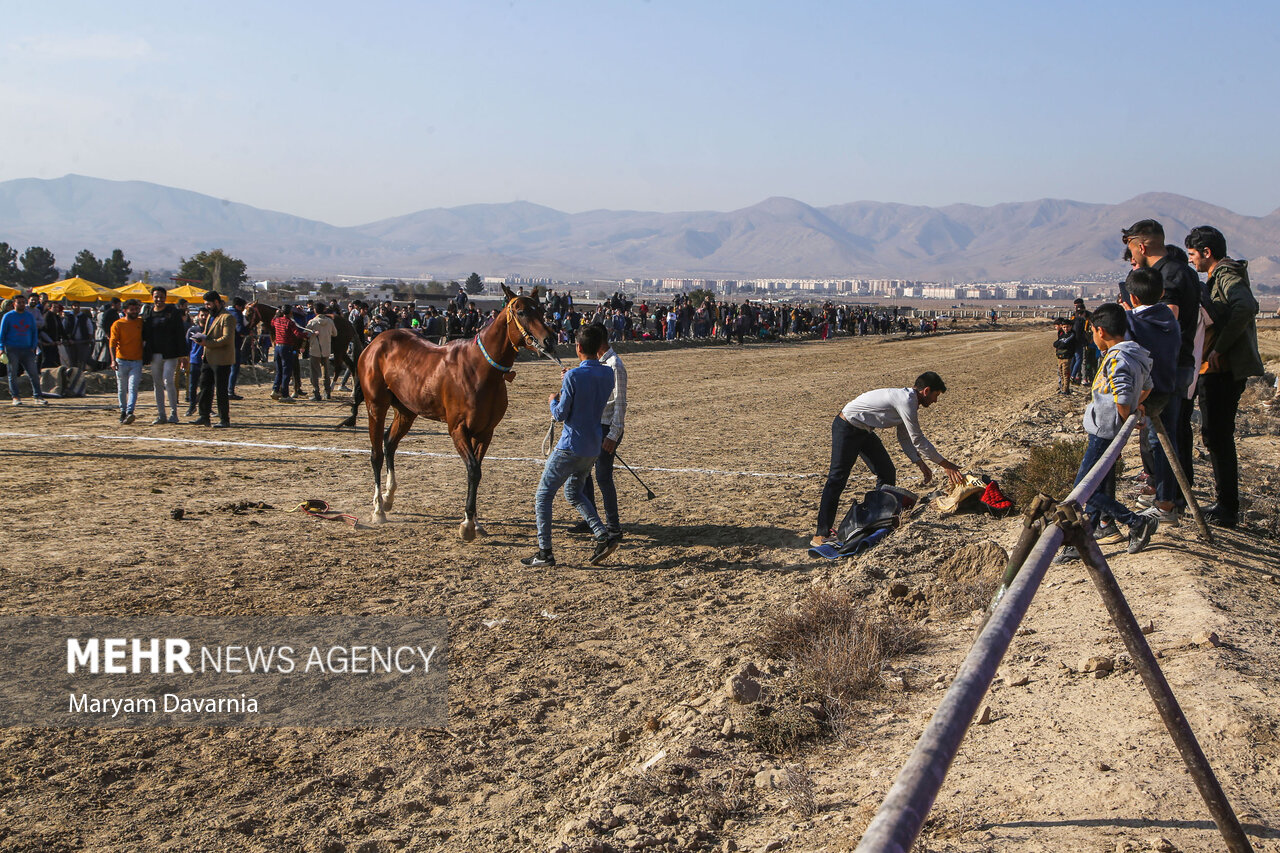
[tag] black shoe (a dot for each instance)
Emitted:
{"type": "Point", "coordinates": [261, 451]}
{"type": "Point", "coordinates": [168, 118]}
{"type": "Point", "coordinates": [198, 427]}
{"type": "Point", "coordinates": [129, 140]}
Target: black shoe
{"type": "Point", "coordinates": [580, 527]}
{"type": "Point", "coordinates": [191, 411]}
{"type": "Point", "coordinates": [1218, 518]}
{"type": "Point", "coordinates": [201, 422]}
{"type": "Point", "coordinates": [1140, 533]}
{"type": "Point", "coordinates": [1067, 555]}
{"type": "Point", "coordinates": [222, 424]}
{"type": "Point", "coordinates": [604, 547]}
{"type": "Point", "coordinates": [542, 558]}
{"type": "Point", "coordinates": [234, 397]}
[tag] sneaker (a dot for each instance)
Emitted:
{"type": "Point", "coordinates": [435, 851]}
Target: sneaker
{"type": "Point", "coordinates": [234, 397]}
{"type": "Point", "coordinates": [128, 419]}
{"type": "Point", "coordinates": [159, 420]}
{"type": "Point", "coordinates": [201, 422]}
{"type": "Point", "coordinates": [1140, 533]}
{"type": "Point", "coordinates": [817, 541]}
{"type": "Point", "coordinates": [1108, 533]}
{"type": "Point", "coordinates": [285, 398]}
{"type": "Point", "coordinates": [1067, 554]}
{"type": "Point", "coordinates": [1147, 500]}
{"type": "Point", "coordinates": [190, 411]}
{"type": "Point", "coordinates": [541, 558]}
{"type": "Point", "coordinates": [580, 527]}
{"type": "Point", "coordinates": [1164, 516]}
{"type": "Point", "coordinates": [275, 395]}
{"type": "Point", "coordinates": [604, 547]}
{"type": "Point", "coordinates": [17, 402]}
{"type": "Point", "coordinates": [315, 398]}
{"type": "Point", "coordinates": [41, 401]}
{"type": "Point", "coordinates": [222, 424]}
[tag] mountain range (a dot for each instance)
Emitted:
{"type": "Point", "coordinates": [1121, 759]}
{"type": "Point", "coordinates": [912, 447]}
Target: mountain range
{"type": "Point", "coordinates": [779, 237]}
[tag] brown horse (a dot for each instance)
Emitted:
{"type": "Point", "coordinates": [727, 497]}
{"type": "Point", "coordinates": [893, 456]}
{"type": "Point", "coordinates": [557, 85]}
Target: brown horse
{"type": "Point", "coordinates": [462, 384]}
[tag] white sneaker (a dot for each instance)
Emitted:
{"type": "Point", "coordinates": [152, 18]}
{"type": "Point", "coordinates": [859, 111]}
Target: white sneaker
{"type": "Point", "coordinates": [41, 401]}
{"type": "Point", "coordinates": [17, 402]}
{"type": "Point", "coordinates": [1167, 517]}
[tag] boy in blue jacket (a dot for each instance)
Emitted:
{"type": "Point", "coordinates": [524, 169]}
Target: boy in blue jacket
{"type": "Point", "coordinates": [1123, 381]}
{"type": "Point", "coordinates": [584, 392]}
{"type": "Point", "coordinates": [1153, 325]}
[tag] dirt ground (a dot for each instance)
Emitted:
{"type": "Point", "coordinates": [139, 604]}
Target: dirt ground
{"type": "Point", "coordinates": [587, 705]}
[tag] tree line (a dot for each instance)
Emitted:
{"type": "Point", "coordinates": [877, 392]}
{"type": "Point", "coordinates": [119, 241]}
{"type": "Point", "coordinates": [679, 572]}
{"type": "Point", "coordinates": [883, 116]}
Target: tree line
{"type": "Point", "coordinates": [37, 266]}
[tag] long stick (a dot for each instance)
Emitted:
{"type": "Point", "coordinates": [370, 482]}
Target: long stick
{"type": "Point", "coordinates": [648, 492]}
{"type": "Point", "coordinates": [1181, 476]}
{"type": "Point", "coordinates": [1174, 720]}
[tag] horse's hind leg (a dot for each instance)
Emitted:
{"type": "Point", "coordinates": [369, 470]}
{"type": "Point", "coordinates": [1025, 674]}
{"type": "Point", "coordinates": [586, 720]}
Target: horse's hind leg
{"type": "Point", "coordinates": [398, 429]}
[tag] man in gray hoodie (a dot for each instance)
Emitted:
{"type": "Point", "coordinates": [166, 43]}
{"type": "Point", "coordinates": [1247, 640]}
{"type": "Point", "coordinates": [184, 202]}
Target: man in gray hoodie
{"type": "Point", "coordinates": [1123, 381]}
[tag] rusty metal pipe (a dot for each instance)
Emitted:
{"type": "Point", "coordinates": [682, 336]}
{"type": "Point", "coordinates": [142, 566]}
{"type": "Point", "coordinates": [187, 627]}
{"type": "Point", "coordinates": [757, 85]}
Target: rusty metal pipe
{"type": "Point", "coordinates": [1183, 483]}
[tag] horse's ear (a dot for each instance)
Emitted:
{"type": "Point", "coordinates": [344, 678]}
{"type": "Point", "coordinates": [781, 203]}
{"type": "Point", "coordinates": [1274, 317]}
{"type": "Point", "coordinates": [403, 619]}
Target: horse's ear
{"type": "Point", "coordinates": [506, 292]}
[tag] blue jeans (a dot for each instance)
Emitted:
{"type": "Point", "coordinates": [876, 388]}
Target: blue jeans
{"type": "Point", "coordinates": [1102, 503]}
{"type": "Point", "coordinates": [1166, 485]}
{"type": "Point", "coordinates": [284, 368]}
{"type": "Point", "coordinates": [608, 492]}
{"type": "Point", "coordinates": [20, 359]}
{"type": "Point", "coordinates": [128, 378]}
{"type": "Point", "coordinates": [569, 470]}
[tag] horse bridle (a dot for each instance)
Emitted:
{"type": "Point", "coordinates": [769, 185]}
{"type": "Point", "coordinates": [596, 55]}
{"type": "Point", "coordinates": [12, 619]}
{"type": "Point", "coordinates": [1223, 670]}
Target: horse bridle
{"type": "Point", "coordinates": [527, 340]}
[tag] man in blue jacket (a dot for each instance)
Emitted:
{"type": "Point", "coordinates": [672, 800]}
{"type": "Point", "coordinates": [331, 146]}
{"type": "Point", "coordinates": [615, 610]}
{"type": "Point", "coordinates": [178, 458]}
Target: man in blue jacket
{"type": "Point", "coordinates": [19, 338]}
{"type": "Point", "coordinates": [1152, 325]}
{"type": "Point", "coordinates": [584, 392]}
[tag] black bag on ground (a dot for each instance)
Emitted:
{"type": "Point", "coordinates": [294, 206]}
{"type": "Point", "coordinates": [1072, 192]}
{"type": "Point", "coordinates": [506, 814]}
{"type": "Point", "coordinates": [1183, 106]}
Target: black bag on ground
{"type": "Point", "coordinates": [881, 508]}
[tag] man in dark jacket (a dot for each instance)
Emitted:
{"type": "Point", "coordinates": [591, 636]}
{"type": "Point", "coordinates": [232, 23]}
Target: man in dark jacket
{"type": "Point", "coordinates": [1144, 243]}
{"type": "Point", "coordinates": [1153, 326]}
{"type": "Point", "coordinates": [1231, 347]}
{"type": "Point", "coordinates": [1078, 322]}
{"type": "Point", "coordinates": [164, 341]}
{"type": "Point", "coordinates": [77, 342]}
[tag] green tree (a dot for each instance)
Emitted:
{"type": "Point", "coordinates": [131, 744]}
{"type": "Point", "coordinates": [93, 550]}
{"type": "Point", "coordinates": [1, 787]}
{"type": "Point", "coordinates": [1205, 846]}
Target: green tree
{"type": "Point", "coordinates": [326, 287]}
{"type": "Point", "coordinates": [116, 270]}
{"type": "Point", "coordinates": [38, 267]}
{"type": "Point", "coordinates": [434, 288]}
{"type": "Point", "coordinates": [698, 296]}
{"type": "Point", "coordinates": [88, 267]}
{"type": "Point", "coordinates": [453, 289]}
{"type": "Point", "coordinates": [10, 276]}
{"type": "Point", "coordinates": [205, 266]}
{"type": "Point", "coordinates": [474, 284]}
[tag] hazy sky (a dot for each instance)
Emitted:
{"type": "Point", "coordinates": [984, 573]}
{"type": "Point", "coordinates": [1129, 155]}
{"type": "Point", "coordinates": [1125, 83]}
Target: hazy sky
{"type": "Point", "coordinates": [349, 112]}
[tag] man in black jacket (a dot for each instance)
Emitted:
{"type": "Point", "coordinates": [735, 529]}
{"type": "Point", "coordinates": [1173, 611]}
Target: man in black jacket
{"type": "Point", "coordinates": [1144, 241]}
{"type": "Point", "coordinates": [164, 341]}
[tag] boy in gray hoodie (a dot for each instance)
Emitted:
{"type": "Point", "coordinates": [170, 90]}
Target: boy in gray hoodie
{"type": "Point", "coordinates": [1123, 381]}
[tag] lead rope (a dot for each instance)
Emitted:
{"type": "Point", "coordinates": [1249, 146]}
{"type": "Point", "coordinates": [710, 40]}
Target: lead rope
{"type": "Point", "coordinates": [549, 440]}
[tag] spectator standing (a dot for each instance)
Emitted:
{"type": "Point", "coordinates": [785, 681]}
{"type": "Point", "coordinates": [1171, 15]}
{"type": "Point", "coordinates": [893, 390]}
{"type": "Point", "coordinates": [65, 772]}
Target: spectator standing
{"type": "Point", "coordinates": [321, 328]}
{"type": "Point", "coordinates": [242, 331]}
{"type": "Point", "coordinates": [219, 340]}
{"type": "Point", "coordinates": [19, 338]}
{"type": "Point", "coordinates": [195, 358]}
{"type": "Point", "coordinates": [164, 341]}
{"type": "Point", "coordinates": [1064, 346]}
{"type": "Point", "coordinates": [1232, 358]}
{"type": "Point", "coordinates": [125, 343]}
{"type": "Point", "coordinates": [288, 338]}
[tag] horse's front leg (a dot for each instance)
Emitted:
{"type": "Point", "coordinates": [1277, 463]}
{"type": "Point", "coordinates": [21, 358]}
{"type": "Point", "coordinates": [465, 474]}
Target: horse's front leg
{"type": "Point", "coordinates": [471, 449]}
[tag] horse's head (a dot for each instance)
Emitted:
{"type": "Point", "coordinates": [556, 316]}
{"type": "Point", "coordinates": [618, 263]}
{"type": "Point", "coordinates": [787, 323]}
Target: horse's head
{"type": "Point", "coordinates": [529, 318]}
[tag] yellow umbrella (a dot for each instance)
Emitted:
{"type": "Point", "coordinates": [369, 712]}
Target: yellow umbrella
{"type": "Point", "coordinates": [7, 292]}
{"type": "Point", "coordinates": [76, 290]}
{"type": "Point", "coordinates": [189, 293]}
{"type": "Point", "coordinates": [142, 290]}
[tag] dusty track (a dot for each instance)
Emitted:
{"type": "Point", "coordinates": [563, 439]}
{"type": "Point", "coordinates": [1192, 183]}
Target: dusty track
{"type": "Point", "coordinates": [550, 716]}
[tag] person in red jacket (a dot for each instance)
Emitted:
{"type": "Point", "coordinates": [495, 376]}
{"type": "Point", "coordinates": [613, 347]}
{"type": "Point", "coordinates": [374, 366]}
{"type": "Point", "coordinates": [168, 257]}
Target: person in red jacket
{"type": "Point", "coordinates": [288, 338]}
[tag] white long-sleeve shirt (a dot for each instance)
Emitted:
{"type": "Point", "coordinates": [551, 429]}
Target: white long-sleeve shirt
{"type": "Point", "coordinates": [893, 407]}
{"type": "Point", "coordinates": [615, 411]}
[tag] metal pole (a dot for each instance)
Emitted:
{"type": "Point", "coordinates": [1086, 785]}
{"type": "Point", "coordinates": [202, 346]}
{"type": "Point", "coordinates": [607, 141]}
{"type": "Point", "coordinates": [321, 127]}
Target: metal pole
{"type": "Point", "coordinates": [905, 807]}
{"type": "Point", "coordinates": [1145, 662]}
{"type": "Point", "coordinates": [907, 804]}
{"type": "Point", "coordinates": [1183, 482]}
{"type": "Point", "coordinates": [1030, 532]}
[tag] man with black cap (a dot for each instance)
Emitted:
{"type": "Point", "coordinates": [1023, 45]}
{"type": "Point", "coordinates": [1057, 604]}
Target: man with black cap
{"type": "Point", "coordinates": [1079, 320]}
{"type": "Point", "coordinates": [1144, 242]}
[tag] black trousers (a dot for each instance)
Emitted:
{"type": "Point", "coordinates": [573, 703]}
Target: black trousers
{"type": "Point", "coordinates": [1219, 401]}
{"type": "Point", "coordinates": [214, 380]}
{"type": "Point", "coordinates": [848, 443]}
